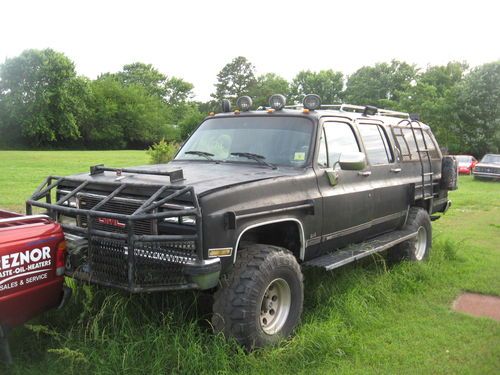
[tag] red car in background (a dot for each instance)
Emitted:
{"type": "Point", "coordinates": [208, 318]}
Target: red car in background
{"type": "Point", "coordinates": [466, 163]}
{"type": "Point", "coordinates": [32, 262]}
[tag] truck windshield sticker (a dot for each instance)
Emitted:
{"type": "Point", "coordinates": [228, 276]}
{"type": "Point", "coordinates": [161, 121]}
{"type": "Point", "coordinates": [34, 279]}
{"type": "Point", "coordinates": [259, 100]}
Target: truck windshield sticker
{"type": "Point", "coordinates": [300, 156]}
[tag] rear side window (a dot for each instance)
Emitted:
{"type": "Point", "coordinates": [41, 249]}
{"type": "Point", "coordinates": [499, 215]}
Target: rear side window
{"type": "Point", "coordinates": [340, 139]}
{"type": "Point", "coordinates": [376, 144]}
{"type": "Point", "coordinates": [433, 152]}
{"type": "Point", "coordinates": [406, 141]}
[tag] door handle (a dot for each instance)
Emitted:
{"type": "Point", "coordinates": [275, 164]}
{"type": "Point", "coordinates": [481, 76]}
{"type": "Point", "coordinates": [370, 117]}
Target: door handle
{"type": "Point", "coordinates": [395, 170]}
{"type": "Point", "coordinates": [365, 173]}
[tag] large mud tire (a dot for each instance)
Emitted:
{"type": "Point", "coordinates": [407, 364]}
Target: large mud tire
{"type": "Point", "coordinates": [260, 301]}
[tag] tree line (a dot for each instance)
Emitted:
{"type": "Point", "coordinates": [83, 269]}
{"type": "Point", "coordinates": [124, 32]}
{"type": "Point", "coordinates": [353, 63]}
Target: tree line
{"type": "Point", "coordinates": [44, 103]}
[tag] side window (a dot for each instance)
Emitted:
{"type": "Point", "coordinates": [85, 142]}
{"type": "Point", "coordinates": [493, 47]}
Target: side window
{"type": "Point", "coordinates": [410, 141]}
{"type": "Point", "coordinates": [406, 142]}
{"type": "Point", "coordinates": [433, 152]}
{"type": "Point", "coordinates": [322, 155]}
{"type": "Point", "coordinates": [376, 144]}
{"type": "Point", "coordinates": [340, 139]}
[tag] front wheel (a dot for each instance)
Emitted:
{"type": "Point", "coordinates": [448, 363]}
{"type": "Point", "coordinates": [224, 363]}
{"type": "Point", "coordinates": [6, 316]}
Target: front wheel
{"type": "Point", "coordinates": [260, 302]}
{"type": "Point", "coordinates": [419, 247]}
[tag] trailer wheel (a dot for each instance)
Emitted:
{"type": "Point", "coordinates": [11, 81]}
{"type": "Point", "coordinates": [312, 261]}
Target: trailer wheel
{"type": "Point", "coordinates": [419, 247]}
{"type": "Point", "coordinates": [260, 301]}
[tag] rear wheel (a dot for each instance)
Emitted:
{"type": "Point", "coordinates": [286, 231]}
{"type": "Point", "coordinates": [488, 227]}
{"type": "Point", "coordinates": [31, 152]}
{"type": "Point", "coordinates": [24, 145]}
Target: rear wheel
{"type": "Point", "coordinates": [260, 302]}
{"type": "Point", "coordinates": [419, 247]}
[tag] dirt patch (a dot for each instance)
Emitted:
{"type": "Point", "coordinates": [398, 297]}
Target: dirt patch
{"type": "Point", "coordinates": [478, 305]}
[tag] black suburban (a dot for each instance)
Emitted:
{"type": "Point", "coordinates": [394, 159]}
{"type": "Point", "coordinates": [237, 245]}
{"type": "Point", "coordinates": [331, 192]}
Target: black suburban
{"type": "Point", "coordinates": [250, 199]}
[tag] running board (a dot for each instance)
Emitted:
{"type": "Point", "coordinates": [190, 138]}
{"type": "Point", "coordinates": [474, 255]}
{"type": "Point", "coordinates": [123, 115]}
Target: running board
{"type": "Point", "coordinates": [354, 252]}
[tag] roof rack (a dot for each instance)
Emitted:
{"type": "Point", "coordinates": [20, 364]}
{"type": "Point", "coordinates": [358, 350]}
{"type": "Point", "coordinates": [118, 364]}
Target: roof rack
{"type": "Point", "coordinates": [344, 107]}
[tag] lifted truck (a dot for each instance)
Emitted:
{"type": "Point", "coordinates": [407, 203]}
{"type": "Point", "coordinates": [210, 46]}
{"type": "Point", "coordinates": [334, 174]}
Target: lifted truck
{"type": "Point", "coordinates": [32, 262]}
{"type": "Point", "coordinates": [250, 199]}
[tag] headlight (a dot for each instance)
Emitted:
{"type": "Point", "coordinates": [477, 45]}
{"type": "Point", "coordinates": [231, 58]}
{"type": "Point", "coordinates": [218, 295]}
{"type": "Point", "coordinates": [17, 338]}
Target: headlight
{"type": "Point", "coordinates": [277, 102]}
{"type": "Point", "coordinates": [244, 103]}
{"type": "Point", "coordinates": [182, 220]}
{"type": "Point", "coordinates": [71, 202]}
{"type": "Point", "coordinates": [312, 102]}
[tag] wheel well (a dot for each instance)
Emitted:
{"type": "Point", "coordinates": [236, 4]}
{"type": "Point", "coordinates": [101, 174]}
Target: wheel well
{"type": "Point", "coordinates": [425, 204]}
{"type": "Point", "coordinates": [287, 234]}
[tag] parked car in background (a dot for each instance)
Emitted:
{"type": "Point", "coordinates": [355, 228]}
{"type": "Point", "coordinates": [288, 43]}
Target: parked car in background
{"type": "Point", "coordinates": [466, 163]}
{"type": "Point", "coordinates": [488, 167]}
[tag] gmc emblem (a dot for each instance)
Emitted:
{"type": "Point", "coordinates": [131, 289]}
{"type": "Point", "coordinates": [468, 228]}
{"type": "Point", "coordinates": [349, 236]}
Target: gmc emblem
{"type": "Point", "coordinates": [109, 221]}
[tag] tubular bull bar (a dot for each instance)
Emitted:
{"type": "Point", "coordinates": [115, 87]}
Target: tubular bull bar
{"type": "Point", "coordinates": [145, 260]}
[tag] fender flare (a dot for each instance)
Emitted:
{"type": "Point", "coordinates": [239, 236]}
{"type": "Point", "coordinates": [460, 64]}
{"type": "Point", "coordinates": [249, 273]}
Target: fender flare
{"type": "Point", "coordinates": [264, 223]}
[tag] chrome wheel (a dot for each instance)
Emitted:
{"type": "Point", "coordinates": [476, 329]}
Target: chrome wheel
{"type": "Point", "coordinates": [420, 243]}
{"type": "Point", "coordinates": [275, 306]}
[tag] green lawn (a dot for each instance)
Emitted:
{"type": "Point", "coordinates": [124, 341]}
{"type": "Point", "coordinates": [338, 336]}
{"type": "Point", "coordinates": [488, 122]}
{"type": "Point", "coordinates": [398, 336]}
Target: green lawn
{"type": "Point", "coordinates": [366, 318]}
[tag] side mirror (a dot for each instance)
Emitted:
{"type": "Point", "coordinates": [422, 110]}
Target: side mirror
{"type": "Point", "coordinates": [353, 161]}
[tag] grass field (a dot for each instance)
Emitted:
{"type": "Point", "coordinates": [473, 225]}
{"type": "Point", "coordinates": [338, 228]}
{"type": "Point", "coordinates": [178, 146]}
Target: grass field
{"type": "Point", "coordinates": [366, 318]}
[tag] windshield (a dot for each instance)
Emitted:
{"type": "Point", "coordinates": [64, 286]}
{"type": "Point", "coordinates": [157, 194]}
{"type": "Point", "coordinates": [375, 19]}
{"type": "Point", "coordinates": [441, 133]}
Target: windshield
{"type": "Point", "coordinates": [464, 159]}
{"type": "Point", "coordinates": [275, 140]}
{"type": "Point", "coordinates": [490, 158]}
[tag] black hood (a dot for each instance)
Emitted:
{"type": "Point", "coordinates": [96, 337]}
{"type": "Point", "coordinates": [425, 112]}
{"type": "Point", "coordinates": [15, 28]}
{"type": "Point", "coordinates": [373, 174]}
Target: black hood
{"type": "Point", "coordinates": [204, 176]}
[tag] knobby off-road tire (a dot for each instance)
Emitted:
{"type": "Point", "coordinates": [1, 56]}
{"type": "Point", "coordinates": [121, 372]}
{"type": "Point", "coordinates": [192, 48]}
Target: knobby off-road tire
{"type": "Point", "coordinates": [260, 301]}
{"type": "Point", "coordinates": [418, 248]}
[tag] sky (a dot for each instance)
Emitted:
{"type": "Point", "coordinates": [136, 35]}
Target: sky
{"type": "Point", "coordinates": [193, 40]}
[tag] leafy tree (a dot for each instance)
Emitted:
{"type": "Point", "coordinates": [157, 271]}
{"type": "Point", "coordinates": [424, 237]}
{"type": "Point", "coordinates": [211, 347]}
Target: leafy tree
{"type": "Point", "coordinates": [478, 108]}
{"type": "Point", "coordinates": [42, 97]}
{"type": "Point", "coordinates": [190, 121]}
{"type": "Point", "coordinates": [125, 116]}
{"type": "Point", "coordinates": [172, 90]}
{"type": "Point", "coordinates": [144, 75]}
{"type": "Point", "coordinates": [433, 97]}
{"type": "Point", "coordinates": [177, 91]}
{"type": "Point", "coordinates": [234, 80]}
{"type": "Point", "coordinates": [380, 85]}
{"type": "Point", "coordinates": [267, 85]}
{"type": "Point", "coordinates": [328, 84]}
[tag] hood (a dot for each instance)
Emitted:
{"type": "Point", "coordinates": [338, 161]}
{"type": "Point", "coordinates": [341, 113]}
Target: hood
{"type": "Point", "coordinates": [205, 177]}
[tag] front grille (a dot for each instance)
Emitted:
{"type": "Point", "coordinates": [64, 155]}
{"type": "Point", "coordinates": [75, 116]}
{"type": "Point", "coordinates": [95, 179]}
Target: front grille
{"type": "Point", "coordinates": [116, 205]}
{"type": "Point", "coordinates": [160, 263]}
{"type": "Point", "coordinates": [107, 261]}
{"type": "Point", "coordinates": [156, 263]}
{"type": "Point", "coordinates": [487, 170]}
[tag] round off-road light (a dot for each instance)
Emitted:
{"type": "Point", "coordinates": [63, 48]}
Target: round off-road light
{"type": "Point", "coordinates": [277, 101]}
{"type": "Point", "coordinates": [226, 105]}
{"type": "Point", "coordinates": [244, 103]}
{"type": "Point", "coordinates": [312, 102]}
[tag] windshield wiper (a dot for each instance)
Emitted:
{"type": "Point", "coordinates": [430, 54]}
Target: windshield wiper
{"type": "Point", "coordinates": [206, 155]}
{"type": "Point", "coordinates": [258, 158]}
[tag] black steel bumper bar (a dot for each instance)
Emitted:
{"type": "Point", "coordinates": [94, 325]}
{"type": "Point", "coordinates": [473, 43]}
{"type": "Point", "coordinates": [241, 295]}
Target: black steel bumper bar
{"type": "Point", "coordinates": [147, 211]}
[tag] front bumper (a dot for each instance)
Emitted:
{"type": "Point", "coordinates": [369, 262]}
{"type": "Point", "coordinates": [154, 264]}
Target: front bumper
{"type": "Point", "coordinates": [486, 175]}
{"type": "Point", "coordinates": [155, 266]}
